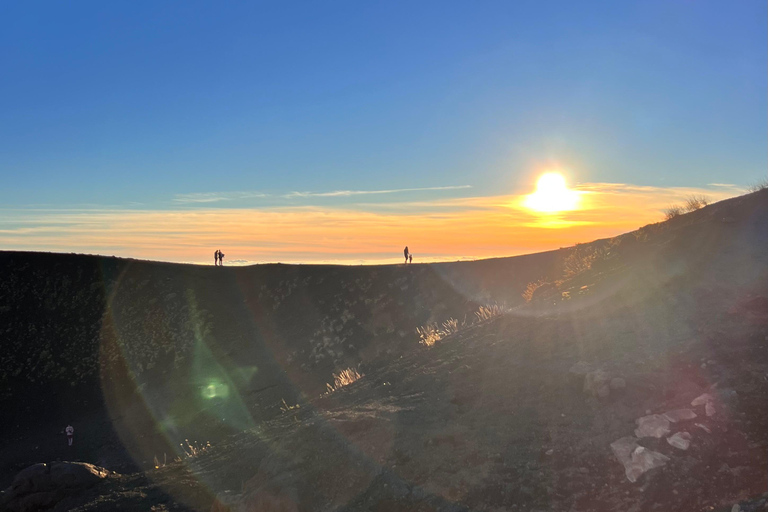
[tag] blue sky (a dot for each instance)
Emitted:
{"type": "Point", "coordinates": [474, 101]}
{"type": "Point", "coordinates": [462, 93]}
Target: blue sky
{"type": "Point", "coordinates": [137, 104]}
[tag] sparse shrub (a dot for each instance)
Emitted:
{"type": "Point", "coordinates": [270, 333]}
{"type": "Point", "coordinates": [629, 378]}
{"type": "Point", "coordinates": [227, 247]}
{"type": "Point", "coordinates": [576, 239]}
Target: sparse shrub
{"type": "Point", "coordinates": [695, 202]}
{"type": "Point", "coordinates": [531, 288]}
{"type": "Point", "coordinates": [429, 334]}
{"type": "Point", "coordinates": [581, 258]}
{"type": "Point", "coordinates": [673, 211]}
{"type": "Point", "coordinates": [758, 186]}
{"type": "Point", "coordinates": [344, 378]}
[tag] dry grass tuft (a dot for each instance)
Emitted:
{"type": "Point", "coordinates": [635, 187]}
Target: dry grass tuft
{"type": "Point", "coordinates": [760, 185]}
{"type": "Point", "coordinates": [673, 211]}
{"type": "Point", "coordinates": [531, 289]}
{"type": "Point", "coordinates": [429, 334]}
{"type": "Point", "coordinates": [695, 202]}
{"type": "Point", "coordinates": [344, 378]}
{"type": "Point", "coordinates": [487, 312]}
{"type": "Point", "coordinates": [285, 407]}
{"type": "Point", "coordinates": [450, 326]}
{"type": "Point", "coordinates": [193, 449]}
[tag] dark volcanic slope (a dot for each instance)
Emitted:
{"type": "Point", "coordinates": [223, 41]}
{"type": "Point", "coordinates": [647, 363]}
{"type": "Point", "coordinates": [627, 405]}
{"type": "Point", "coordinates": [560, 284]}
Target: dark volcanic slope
{"type": "Point", "coordinates": [198, 352]}
{"type": "Point", "coordinates": [492, 417]}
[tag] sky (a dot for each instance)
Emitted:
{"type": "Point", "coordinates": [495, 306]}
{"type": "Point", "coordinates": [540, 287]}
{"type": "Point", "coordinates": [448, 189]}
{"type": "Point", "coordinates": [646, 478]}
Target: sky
{"type": "Point", "coordinates": [342, 131]}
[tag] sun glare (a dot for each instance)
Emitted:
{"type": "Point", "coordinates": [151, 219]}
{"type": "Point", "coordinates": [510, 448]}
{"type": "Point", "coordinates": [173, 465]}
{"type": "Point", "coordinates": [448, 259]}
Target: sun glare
{"type": "Point", "coordinates": [552, 195]}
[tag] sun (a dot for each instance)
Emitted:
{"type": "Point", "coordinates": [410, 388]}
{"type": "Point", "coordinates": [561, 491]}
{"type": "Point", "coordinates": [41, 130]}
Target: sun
{"type": "Point", "coordinates": [552, 195]}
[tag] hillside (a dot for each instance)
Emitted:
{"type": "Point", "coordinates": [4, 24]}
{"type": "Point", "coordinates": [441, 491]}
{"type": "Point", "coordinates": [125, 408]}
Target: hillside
{"type": "Point", "coordinates": [514, 408]}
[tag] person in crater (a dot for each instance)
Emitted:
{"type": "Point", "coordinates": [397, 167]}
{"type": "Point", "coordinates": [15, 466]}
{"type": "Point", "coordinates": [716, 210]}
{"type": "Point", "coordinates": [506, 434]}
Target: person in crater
{"type": "Point", "coordinates": [70, 434]}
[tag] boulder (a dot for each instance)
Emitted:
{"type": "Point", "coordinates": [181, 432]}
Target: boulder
{"type": "Point", "coordinates": [635, 458]}
{"type": "Point", "coordinates": [680, 415]}
{"type": "Point", "coordinates": [653, 425]}
{"type": "Point", "coordinates": [596, 383]}
{"type": "Point", "coordinates": [702, 400]}
{"type": "Point", "coordinates": [42, 485]}
{"type": "Point", "coordinates": [680, 440]}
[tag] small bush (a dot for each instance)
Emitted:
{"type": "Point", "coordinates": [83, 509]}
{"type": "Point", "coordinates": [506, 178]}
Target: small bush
{"type": "Point", "coordinates": [673, 211]}
{"type": "Point", "coordinates": [760, 185]}
{"type": "Point", "coordinates": [695, 202]}
{"type": "Point", "coordinates": [531, 288]}
{"type": "Point", "coordinates": [344, 378]}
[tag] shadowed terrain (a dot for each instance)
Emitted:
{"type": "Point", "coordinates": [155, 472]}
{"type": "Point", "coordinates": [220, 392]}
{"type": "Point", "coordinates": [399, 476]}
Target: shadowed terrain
{"type": "Point", "coordinates": [218, 376]}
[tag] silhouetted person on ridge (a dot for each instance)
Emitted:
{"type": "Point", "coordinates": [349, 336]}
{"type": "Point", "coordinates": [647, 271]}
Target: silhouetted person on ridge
{"type": "Point", "coordinates": [221, 259]}
{"type": "Point", "coordinates": [410, 258]}
{"type": "Point", "coordinates": [216, 258]}
{"type": "Point", "coordinates": [405, 251]}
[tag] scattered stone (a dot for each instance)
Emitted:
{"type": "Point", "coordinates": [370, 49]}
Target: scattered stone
{"type": "Point", "coordinates": [709, 409]}
{"type": "Point", "coordinates": [703, 427]}
{"type": "Point", "coordinates": [680, 440]}
{"type": "Point", "coordinates": [635, 458]}
{"type": "Point", "coordinates": [680, 415]}
{"type": "Point", "coordinates": [596, 383]}
{"type": "Point", "coordinates": [653, 425]}
{"type": "Point", "coordinates": [550, 451]}
{"type": "Point", "coordinates": [702, 399]}
{"type": "Point", "coordinates": [736, 508]}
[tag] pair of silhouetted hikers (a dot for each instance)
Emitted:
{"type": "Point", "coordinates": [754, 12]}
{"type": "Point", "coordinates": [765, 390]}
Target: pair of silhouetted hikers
{"type": "Point", "coordinates": [408, 255]}
{"type": "Point", "coordinates": [218, 258]}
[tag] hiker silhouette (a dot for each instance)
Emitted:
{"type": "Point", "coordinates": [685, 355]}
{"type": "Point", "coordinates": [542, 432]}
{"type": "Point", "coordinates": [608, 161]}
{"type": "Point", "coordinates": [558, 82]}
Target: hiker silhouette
{"type": "Point", "coordinates": [405, 252]}
{"type": "Point", "coordinates": [221, 259]}
{"type": "Point", "coordinates": [216, 258]}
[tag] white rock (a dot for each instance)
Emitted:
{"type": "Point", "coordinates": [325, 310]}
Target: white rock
{"type": "Point", "coordinates": [702, 399]}
{"type": "Point", "coordinates": [709, 408]}
{"type": "Point", "coordinates": [680, 415]}
{"type": "Point", "coordinates": [636, 459]}
{"type": "Point", "coordinates": [680, 440]}
{"type": "Point", "coordinates": [653, 425]}
{"type": "Point", "coordinates": [703, 427]}
{"type": "Point", "coordinates": [736, 508]}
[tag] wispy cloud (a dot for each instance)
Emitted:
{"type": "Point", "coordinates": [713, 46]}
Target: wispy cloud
{"type": "Point", "coordinates": [349, 193]}
{"type": "Point", "coordinates": [443, 228]}
{"type": "Point", "coordinates": [214, 197]}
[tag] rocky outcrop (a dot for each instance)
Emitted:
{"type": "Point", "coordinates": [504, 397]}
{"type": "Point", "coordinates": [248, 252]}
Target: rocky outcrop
{"type": "Point", "coordinates": [41, 486]}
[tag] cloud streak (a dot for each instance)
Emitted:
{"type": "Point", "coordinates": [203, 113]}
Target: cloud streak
{"type": "Point", "coordinates": [349, 193]}
{"type": "Point", "coordinates": [215, 197]}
